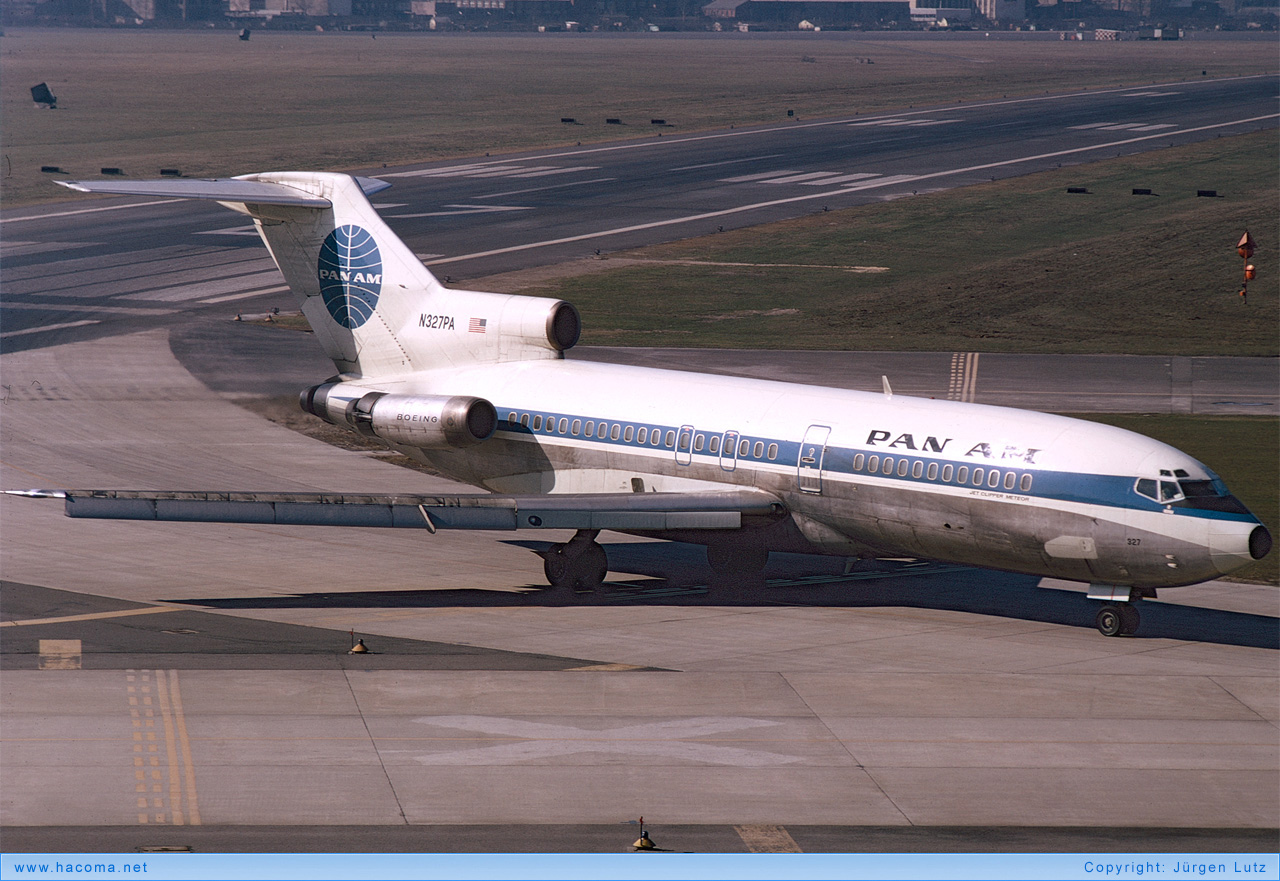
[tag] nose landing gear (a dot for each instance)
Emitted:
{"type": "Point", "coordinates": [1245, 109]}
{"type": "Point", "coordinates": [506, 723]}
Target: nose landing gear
{"type": "Point", "coordinates": [1118, 619]}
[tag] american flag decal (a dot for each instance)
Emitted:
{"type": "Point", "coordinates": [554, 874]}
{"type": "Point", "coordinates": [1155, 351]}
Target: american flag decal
{"type": "Point", "coordinates": [477, 325]}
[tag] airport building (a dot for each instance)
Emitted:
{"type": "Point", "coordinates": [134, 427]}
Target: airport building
{"type": "Point", "coordinates": [841, 13]}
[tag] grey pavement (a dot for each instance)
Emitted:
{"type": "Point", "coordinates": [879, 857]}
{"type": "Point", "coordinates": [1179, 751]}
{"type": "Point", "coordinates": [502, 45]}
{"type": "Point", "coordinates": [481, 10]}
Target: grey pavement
{"type": "Point", "coordinates": [892, 697]}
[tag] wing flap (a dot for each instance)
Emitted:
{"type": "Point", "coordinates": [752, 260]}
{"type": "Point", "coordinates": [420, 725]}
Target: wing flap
{"type": "Point", "coordinates": [619, 511]}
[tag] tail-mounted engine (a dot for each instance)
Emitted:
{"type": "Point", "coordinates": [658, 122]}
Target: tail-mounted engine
{"type": "Point", "coordinates": [428, 421]}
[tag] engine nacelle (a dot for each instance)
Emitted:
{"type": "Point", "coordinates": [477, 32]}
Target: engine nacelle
{"type": "Point", "coordinates": [428, 421]}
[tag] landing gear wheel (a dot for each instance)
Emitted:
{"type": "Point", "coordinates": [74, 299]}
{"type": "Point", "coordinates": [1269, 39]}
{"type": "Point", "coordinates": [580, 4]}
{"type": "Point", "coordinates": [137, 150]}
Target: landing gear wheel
{"type": "Point", "coordinates": [728, 560]}
{"type": "Point", "coordinates": [1129, 619]}
{"type": "Point", "coordinates": [1110, 621]}
{"type": "Point", "coordinates": [589, 570]}
{"type": "Point", "coordinates": [580, 564]}
{"type": "Point", "coordinates": [556, 565]}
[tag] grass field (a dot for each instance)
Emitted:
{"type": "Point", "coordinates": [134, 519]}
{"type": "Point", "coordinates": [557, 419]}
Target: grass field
{"type": "Point", "coordinates": [1013, 266]}
{"type": "Point", "coordinates": [209, 104]}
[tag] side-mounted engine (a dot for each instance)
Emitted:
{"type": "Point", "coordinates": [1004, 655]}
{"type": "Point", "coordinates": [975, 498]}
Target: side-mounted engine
{"type": "Point", "coordinates": [427, 421]}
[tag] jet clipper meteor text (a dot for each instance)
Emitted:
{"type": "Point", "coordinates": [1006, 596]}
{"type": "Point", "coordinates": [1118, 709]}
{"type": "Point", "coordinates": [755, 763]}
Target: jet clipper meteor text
{"type": "Point", "coordinates": [476, 384]}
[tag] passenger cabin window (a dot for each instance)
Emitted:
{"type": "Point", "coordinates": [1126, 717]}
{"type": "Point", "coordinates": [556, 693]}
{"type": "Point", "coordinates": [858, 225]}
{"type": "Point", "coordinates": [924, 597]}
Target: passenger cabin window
{"type": "Point", "coordinates": [590, 430]}
{"type": "Point", "coordinates": [564, 425]}
{"type": "Point", "coordinates": [642, 436]}
{"type": "Point", "coordinates": [577, 427]}
{"type": "Point", "coordinates": [511, 418]}
{"type": "Point", "coordinates": [1009, 480]}
{"type": "Point", "coordinates": [758, 449]}
{"type": "Point", "coordinates": [773, 451]}
{"type": "Point", "coordinates": [698, 441]}
{"type": "Point", "coordinates": [962, 474]}
{"type": "Point", "coordinates": [917, 470]}
{"type": "Point", "coordinates": [713, 446]}
{"type": "Point", "coordinates": [744, 448]}
{"type": "Point", "coordinates": [977, 477]}
{"type": "Point", "coordinates": [857, 460]}
{"type": "Point", "coordinates": [946, 473]}
{"type": "Point", "coordinates": [873, 463]}
{"type": "Point", "coordinates": [628, 434]}
{"type": "Point", "coordinates": [656, 437]}
{"type": "Point", "coordinates": [671, 440]}
{"type": "Point", "coordinates": [903, 465]}
{"type": "Point", "coordinates": [887, 467]}
{"type": "Point", "coordinates": [524, 420]}
{"type": "Point", "coordinates": [994, 480]}
{"type": "Point", "coordinates": [1025, 483]}
{"type": "Point", "coordinates": [615, 432]}
{"type": "Point", "coordinates": [933, 470]}
{"type": "Point", "coordinates": [537, 423]}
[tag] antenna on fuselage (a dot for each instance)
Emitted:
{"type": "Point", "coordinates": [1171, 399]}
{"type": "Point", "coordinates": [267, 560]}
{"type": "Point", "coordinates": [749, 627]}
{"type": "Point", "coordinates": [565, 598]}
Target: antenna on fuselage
{"type": "Point", "coordinates": [888, 392]}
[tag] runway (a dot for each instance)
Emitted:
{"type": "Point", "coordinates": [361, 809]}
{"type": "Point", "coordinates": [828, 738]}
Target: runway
{"type": "Point", "coordinates": [164, 680]}
{"type": "Point", "coordinates": [101, 266]}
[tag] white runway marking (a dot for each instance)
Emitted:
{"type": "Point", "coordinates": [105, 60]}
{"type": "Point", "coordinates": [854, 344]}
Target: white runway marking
{"type": "Point", "coordinates": [728, 162]}
{"type": "Point", "coordinates": [484, 169]}
{"type": "Point", "coordinates": [459, 210]}
{"type": "Point", "coordinates": [740, 209]}
{"type": "Point", "coordinates": [1123, 126]}
{"type": "Point", "coordinates": [894, 122]}
{"type": "Point", "coordinates": [90, 210]}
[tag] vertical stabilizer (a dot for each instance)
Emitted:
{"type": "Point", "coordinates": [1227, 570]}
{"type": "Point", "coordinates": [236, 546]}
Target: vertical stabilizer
{"type": "Point", "coordinates": [356, 282]}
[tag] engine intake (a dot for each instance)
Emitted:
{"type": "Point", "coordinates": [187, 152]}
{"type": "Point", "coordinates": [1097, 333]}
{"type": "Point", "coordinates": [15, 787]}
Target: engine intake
{"type": "Point", "coordinates": [428, 421]}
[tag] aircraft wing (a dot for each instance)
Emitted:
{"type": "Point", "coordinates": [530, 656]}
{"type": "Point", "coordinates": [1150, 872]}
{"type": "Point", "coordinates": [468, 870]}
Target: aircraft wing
{"type": "Point", "coordinates": [619, 511]}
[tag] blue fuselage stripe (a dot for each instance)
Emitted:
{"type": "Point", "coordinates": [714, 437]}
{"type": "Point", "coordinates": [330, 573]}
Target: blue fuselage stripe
{"type": "Point", "coordinates": [1112, 491]}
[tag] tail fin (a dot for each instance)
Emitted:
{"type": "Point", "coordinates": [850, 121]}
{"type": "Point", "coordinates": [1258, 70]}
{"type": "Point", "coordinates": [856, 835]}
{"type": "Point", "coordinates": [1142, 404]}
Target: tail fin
{"type": "Point", "coordinates": [373, 305]}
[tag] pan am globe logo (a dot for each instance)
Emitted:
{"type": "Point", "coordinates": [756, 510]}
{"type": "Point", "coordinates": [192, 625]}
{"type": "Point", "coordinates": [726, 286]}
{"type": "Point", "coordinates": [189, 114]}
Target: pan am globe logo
{"type": "Point", "coordinates": [350, 270]}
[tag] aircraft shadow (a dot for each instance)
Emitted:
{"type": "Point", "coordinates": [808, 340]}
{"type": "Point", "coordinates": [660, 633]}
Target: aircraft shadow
{"type": "Point", "coordinates": [675, 574]}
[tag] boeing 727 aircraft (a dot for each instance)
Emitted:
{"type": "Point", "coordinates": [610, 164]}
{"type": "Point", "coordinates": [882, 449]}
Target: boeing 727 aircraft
{"type": "Point", "coordinates": [476, 384]}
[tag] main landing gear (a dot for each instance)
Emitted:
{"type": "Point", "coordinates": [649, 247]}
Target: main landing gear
{"type": "Point", "coordinates": [580, 563]}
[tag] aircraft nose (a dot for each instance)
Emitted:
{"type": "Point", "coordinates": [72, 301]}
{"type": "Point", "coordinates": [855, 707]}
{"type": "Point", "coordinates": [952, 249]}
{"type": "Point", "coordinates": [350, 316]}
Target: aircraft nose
{"type": "Point", "coordinates": [1233, 545]}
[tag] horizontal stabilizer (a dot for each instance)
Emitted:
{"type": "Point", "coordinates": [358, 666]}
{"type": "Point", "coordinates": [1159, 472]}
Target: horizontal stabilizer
{"type": "Point", "coordinates": [217, 190]}
{"type": "Point", "coordinates": [621, 511]}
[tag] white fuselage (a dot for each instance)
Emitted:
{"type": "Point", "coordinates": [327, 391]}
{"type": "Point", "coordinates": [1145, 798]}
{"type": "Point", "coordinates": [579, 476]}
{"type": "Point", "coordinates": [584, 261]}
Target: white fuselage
{"type": "Point", "coordinates": [862, 474]}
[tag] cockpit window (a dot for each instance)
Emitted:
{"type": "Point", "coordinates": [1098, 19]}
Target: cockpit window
{"type": "Point", "coordinates": [1163, 491]}
{"type": "Point", "coordinates": [1209, 495]}
{"type": "Point", "coordinates": [1199, 488]}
